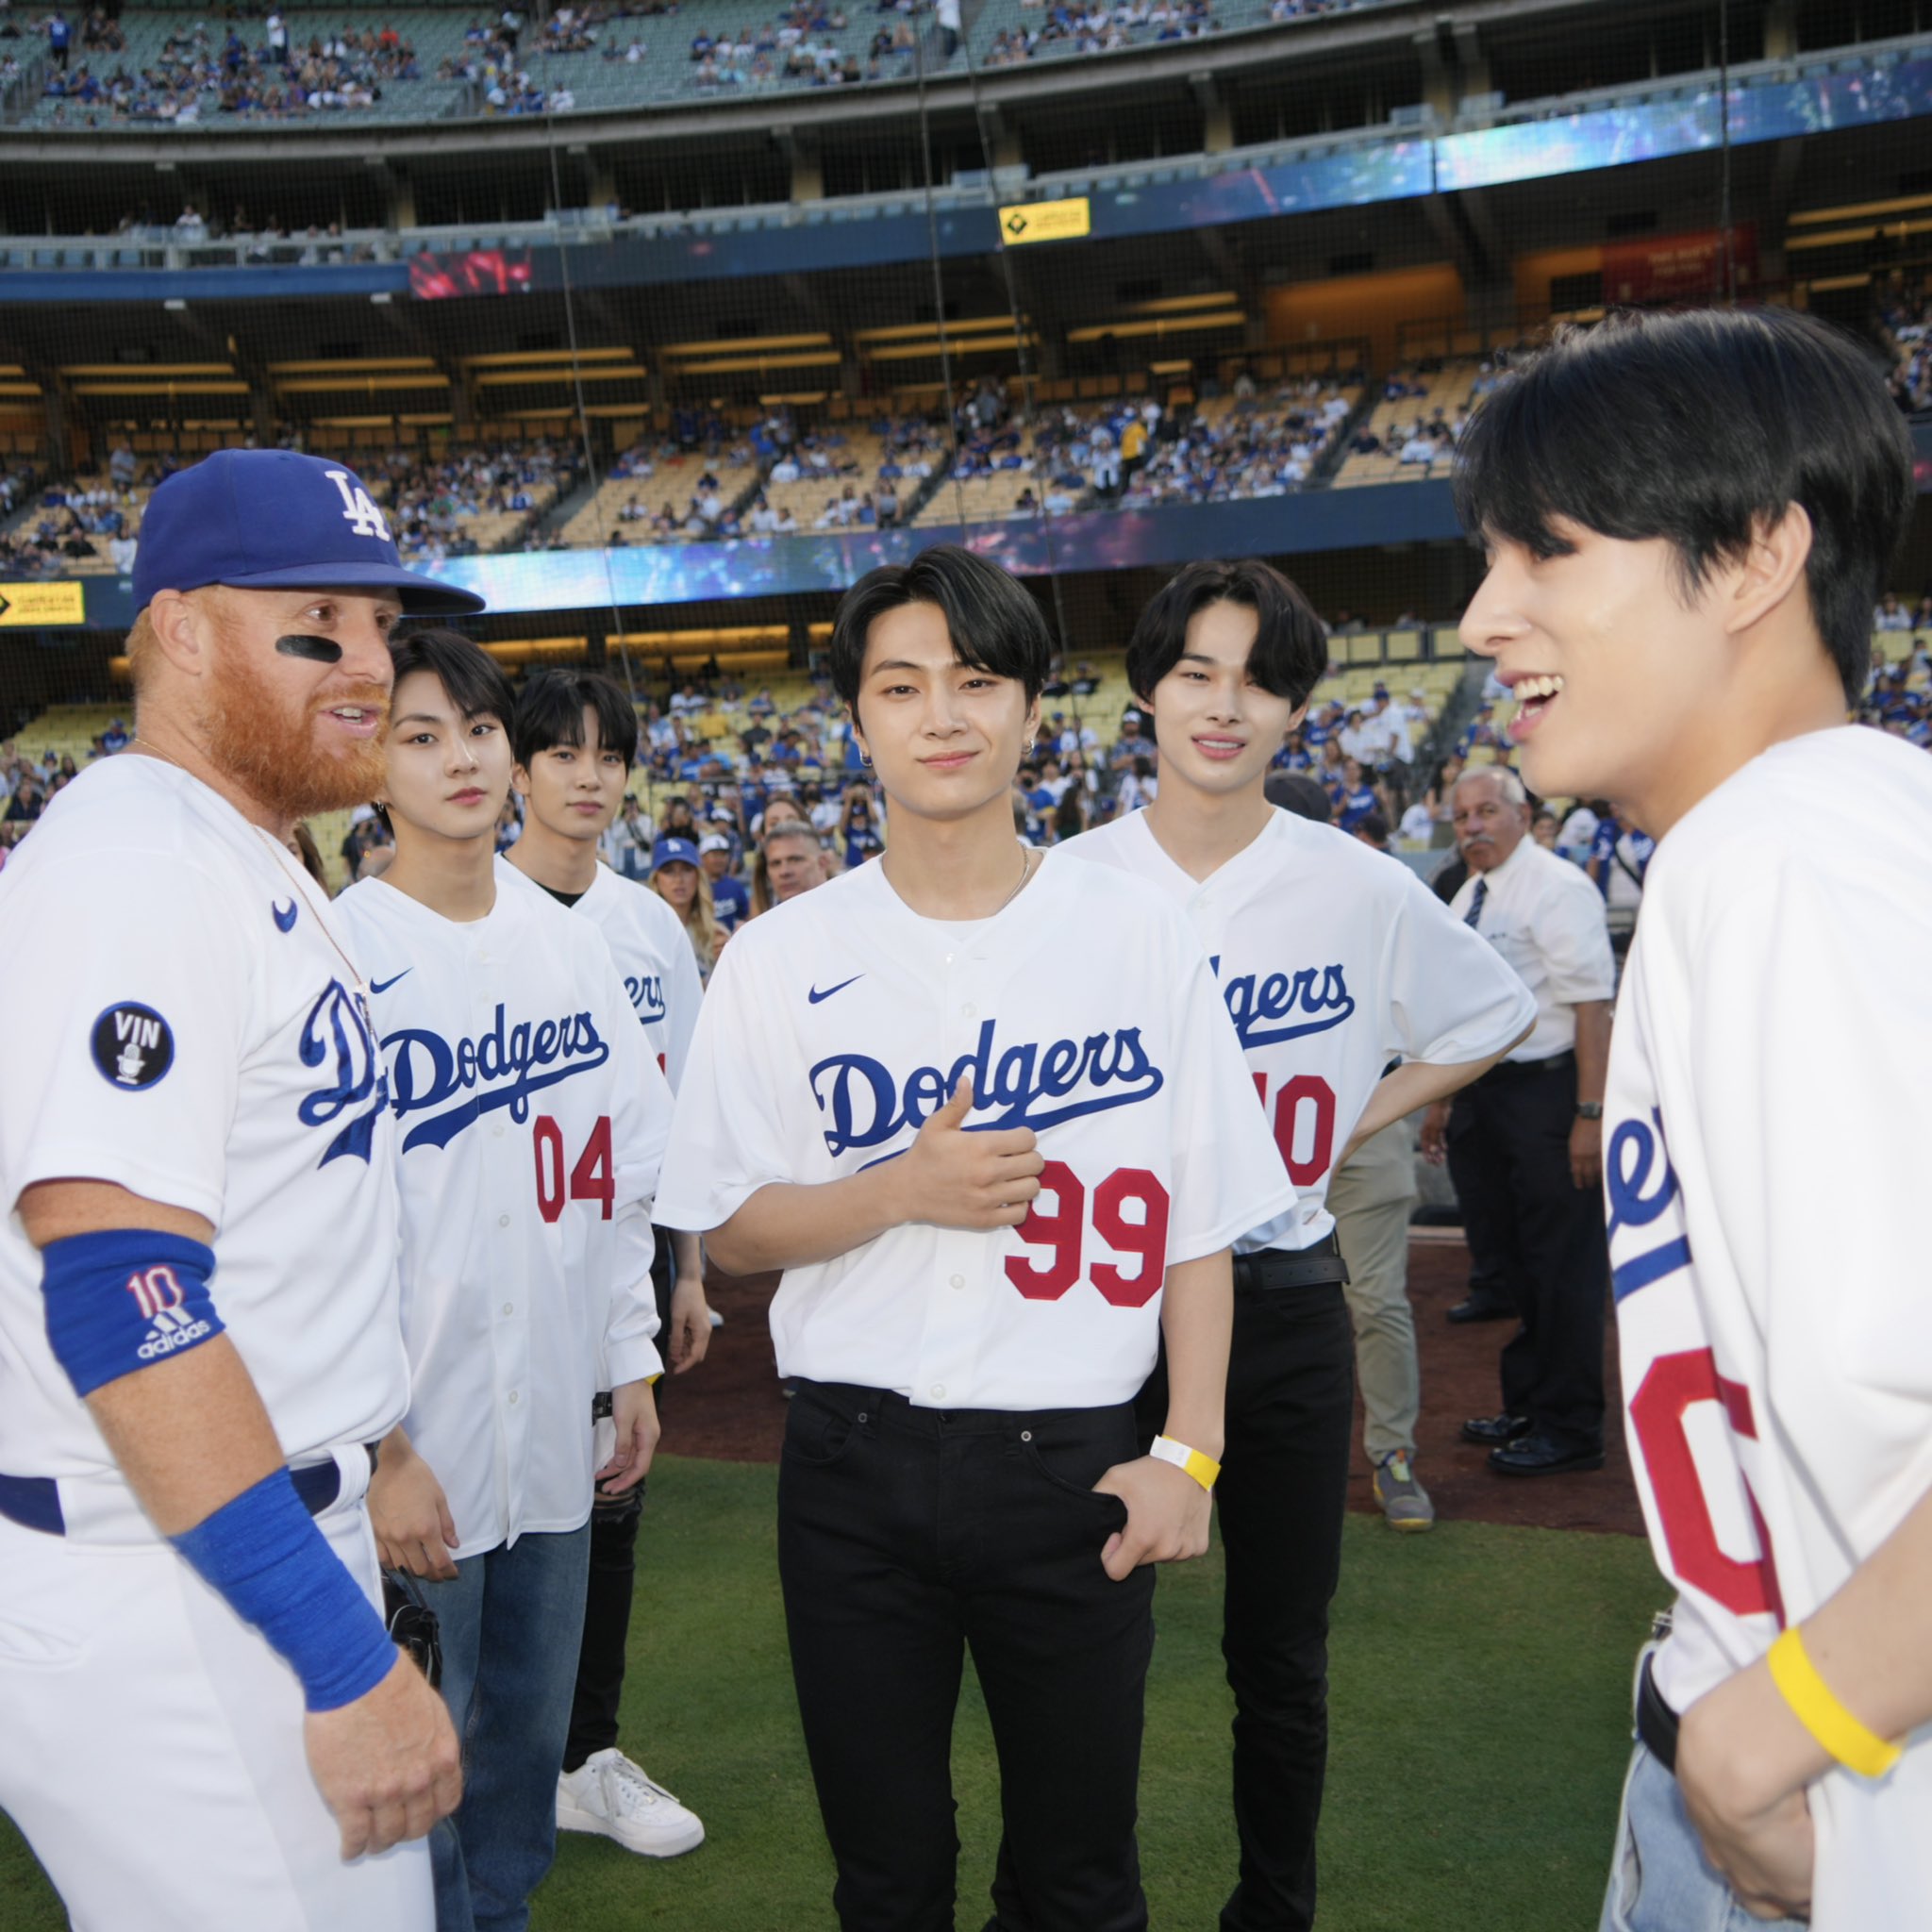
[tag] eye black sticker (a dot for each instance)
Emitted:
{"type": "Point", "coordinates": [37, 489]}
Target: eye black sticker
{"type": "Point", "coordinates": [133, 1046]}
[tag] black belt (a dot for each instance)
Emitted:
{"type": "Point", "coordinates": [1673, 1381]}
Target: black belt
{"type": "Point", "coordinates": [1273, 1268]}
{"type": "Point", "coordinates": [1657, 1723]}
{"type": "Point", "coordinates": [1516, 1070]}
{"type": "Point", "coordinates": [34, 1501]}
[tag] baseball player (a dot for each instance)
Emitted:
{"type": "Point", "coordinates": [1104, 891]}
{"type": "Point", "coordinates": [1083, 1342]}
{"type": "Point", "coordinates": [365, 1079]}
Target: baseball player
{"type": "Point", "coordinates": [575, 740]}
{"type": "Point", "coordinates": [991, 1178]}
{"type": "Point", "coordinates": [1332, 962]}
{"type": "Point", "coordinates": [198, 1309]}
{"type": "Point", "coordinates": [531, 1124]}
{"type": "Point", "coordinates": [1688, 519]}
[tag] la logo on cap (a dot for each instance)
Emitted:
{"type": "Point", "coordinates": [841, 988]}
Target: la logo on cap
{"type": "Point", "coordinates": [363, 516]}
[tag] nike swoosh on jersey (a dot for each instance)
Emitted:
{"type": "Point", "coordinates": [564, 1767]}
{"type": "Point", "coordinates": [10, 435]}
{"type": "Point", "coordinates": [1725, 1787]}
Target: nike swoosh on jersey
{"type": "Point", "coordinates": [377, 986]}
{"type": "Point", "coordinates": [285, 922]}
{"type": "Point", "coordinates": [814, 995]}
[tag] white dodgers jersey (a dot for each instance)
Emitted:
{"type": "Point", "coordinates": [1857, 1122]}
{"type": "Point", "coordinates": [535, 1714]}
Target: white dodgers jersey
{"type": "Point", "coordinates": [655, 960]}
{"type": "Point", "coordinates": [839, 1022]}
{"type": "Point", "coordinates": [530, 1124]}
{"type": "Point", "coordinates": [179, 1016]}
{"type": "Point", "coordinates": [1767, 1117]}
{"type": "Point", "coordinates": [1333, 959]}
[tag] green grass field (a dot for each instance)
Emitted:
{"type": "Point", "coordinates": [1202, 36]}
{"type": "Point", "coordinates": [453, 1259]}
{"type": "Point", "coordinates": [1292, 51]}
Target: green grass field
{"type": "Point", "coordinates": [1479, 1715]}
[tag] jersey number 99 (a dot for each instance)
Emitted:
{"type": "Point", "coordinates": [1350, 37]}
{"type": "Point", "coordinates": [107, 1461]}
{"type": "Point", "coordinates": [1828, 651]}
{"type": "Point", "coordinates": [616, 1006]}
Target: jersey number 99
{"type": "Point", "coordinates": [1063, 1234]}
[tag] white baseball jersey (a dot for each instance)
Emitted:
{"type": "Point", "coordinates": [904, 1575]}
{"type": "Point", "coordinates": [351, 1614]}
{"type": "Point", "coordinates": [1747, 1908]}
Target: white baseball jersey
{"type": "Point", "coordinates": [530, 1124]}
{"type": "Point", "coordinates": [1086, 1010]}
{"type": "Point", "coordinates": [179, 1015]}
{"type": "Point", "coordinates": [1333, 959]}
{"type": "Point", "coordinates": [655, 960]}
{"type": "Point", "coordinates": [1768, 1108]}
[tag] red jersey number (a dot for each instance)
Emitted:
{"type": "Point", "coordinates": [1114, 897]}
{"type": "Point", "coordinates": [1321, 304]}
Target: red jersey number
{"type": "Point", "coordinates": [1129, 1216]}
{"type": "Point", "coordinates": [1673, 1385]}
{"type": "Point", "coordinates": [591, 1177]}
{"type": "Point", "coordinates": [1305, 1118]}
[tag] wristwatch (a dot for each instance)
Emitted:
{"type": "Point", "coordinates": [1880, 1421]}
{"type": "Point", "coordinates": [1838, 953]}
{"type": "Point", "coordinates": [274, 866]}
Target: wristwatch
{"type": "Point", "coordinates": [1590, 1110]}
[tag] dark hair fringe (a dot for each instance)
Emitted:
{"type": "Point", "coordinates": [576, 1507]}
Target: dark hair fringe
{"type": "Point", "coordinates": [551, 712]}
{"type": "Point", "coordinates": [473, 678]}
{"type": "Point", "coordinates": [1290, 649]}
{"type": "Point", "coordinates": [1699, 428]}
{"type": "Point", "coordinates": [993, 622]}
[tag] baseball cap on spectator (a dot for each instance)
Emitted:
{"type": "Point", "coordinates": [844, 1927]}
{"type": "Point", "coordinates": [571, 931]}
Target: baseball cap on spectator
{"type": "Point", "coordinates": [275, 520]}
{"type": "Point", "coordinates": [1297, 793]}
{"type": "Point", "coordinates": [673, 852]}
{"type": "Point", "coordinates": [713, 841]}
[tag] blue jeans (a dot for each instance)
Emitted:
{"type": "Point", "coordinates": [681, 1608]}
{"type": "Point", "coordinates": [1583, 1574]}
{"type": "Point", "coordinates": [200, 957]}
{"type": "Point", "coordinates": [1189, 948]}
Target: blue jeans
{"type": "Point", "coordinates": [511, 1623]}
{"type": "Point", "coordinates": [1659, 1878]}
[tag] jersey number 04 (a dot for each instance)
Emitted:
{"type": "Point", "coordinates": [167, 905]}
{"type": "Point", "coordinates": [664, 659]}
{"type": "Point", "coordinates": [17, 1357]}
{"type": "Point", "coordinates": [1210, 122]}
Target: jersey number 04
{"type": "Point", "coordinates": [590, 1176]}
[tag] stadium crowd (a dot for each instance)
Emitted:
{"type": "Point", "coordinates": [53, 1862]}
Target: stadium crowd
{"type": "Point", "coordinates": [209, 71]}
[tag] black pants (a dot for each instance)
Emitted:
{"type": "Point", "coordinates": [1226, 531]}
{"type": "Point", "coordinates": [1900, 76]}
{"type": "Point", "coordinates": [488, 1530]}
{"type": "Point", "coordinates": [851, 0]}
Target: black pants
{"type": "Point", "coordinates": [1540, 1238]}
{"type": "Point", "coordinates": [905, 1536]}
{"type": "Point", "coordinates": [613, 1579]}
{"type": "Point", "coordinates": [1284, 1482]}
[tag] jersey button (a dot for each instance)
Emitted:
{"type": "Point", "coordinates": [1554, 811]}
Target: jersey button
{"type": "Point", "coordinates": [969, 1011]}
{"type": "Point", "coordinates": [512, 1398]}
{"type": "Point", "coordinates": [497, 1129]}
{"type": "Point", "coordinates": [503, 1221]}
{"type": "Point", "coordinates": [958, 1281]}
{"type": "Point", "coordinates": [510, 1308]}
{"type": "Point", "coordinates": [937, 1391]}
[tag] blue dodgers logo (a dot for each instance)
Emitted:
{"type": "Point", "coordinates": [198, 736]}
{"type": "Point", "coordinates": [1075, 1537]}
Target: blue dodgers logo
{"type": "Point", "coordinates": [1641, 1183]}
{"type": "Point", "coordinates": [647, 992]}
{"type": "Point", "coordinates": [509, 1063]}
{"type": "Point", "coordinates": [1311, 1000]}
{"type": "Point", "coordinates": [337, 1025]}
{"type": "Point", "coordinates": [1023, 1086]}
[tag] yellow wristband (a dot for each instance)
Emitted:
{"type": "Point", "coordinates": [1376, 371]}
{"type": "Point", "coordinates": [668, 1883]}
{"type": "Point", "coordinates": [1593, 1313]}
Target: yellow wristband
{"type": "Point", "coordinates": [1203, 1469]}
{"type": "Point", "coordinates": [1821, 1713]}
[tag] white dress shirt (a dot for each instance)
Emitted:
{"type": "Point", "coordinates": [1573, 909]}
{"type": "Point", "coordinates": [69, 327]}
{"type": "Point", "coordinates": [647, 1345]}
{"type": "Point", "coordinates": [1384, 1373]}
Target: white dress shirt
{"type": "Point", "coordinates": [1546, 919]}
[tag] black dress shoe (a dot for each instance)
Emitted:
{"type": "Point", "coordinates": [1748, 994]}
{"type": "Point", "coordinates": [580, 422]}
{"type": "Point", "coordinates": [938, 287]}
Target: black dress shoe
{"type": "Point", "coordinates": [1496, 1431]}
{"type": "Point", "coordinates": [1538, 1455]}
{"type": "Point", "coordinates": [1480, 1308]}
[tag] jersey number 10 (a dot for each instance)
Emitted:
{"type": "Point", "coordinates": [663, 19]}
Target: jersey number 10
{"type": "Point", "coordinates": [1304, 1112]}
{"type": "Point", "coordinates": [591, 1177]}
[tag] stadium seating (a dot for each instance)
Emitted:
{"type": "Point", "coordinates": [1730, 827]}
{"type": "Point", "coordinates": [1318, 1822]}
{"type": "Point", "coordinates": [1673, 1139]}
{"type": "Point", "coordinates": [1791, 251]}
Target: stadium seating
{"type": "Point", "coordinates": [1443, 393]}
{"type": "Point", "coordinates": [604, 76]}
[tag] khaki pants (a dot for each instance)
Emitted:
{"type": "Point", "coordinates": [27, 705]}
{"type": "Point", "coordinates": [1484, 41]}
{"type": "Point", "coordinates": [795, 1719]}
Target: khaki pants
{"type": "Point", "coordinates": [1371, 1199]}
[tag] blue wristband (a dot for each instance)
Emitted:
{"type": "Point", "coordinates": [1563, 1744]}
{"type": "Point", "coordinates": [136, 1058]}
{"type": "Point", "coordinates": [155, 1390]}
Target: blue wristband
{"type": "Point", "coordinates": [123, 1299]}
{"type": "Point", "coordinates": [263, 1554]}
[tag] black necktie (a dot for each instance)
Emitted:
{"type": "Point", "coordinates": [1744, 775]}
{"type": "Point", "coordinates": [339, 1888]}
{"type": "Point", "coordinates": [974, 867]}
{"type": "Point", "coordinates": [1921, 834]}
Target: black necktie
{"type": "Point", "coordinates": [1473, 916]}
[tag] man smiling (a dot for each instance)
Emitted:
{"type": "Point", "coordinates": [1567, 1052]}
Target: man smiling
{"type": "Point", "coordinates": [198, 1304]}
{"type": "Point", "coordinates": [1333, 964]}
{"type": "Point", "coordinates": [1688, 519]}
{"type": "Point", "coordinates": [990, 1183]}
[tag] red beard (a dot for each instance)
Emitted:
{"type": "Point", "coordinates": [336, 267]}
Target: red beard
{"type": "Point", "coordinates": [274, 756]}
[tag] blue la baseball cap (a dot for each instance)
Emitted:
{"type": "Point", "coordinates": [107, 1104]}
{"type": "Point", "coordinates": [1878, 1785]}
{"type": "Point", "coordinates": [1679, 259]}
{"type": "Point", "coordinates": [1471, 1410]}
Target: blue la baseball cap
{"type": "Point", "coordinates": [673, 852]}
{"type": "Point", "coordinates": [275, 520]}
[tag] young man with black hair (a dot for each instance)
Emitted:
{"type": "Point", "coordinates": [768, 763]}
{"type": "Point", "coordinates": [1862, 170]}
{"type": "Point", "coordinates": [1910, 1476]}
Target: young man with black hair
{"type": "Point", "coordinates": [530, 1125]}
{"type": "Point", "coordinates": [1688, 520]}
{"type": "Point", "coordinates": [990, 1184]}
{"type": "Point", "coordinates": [575, 740]}
{"type": "Point", "coordinates": [1333, 963]}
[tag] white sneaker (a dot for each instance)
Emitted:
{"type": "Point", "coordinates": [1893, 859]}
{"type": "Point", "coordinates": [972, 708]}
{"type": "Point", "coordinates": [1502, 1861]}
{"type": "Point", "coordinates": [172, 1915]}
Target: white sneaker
{"type": "Point", "coordinates": [610, 1795]}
